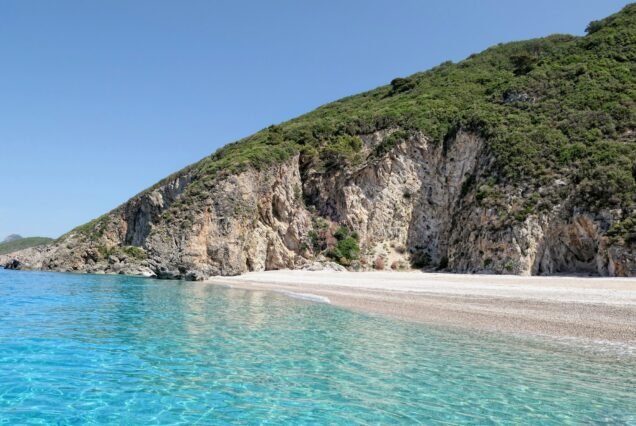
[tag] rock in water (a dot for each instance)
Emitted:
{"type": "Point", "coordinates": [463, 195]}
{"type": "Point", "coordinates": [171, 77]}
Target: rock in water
{"type": "Point", "coordinates": [13, 264]}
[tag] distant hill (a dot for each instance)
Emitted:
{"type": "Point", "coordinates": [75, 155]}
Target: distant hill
{"type": "Point", "coordinates": [12, 237]}
{"type": "Point", "coordinates": [11, 245]}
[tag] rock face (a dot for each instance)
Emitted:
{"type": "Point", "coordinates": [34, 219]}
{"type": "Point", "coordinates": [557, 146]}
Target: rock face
{"type": "Point", "coordinates": [13, 264]}
{"type": "Point", "coordinates": [414, 205]}
{"type": "Point", "coordinates": [520, 159]}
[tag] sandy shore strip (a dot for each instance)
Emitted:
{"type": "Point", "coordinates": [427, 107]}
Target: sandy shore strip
{"type": "Point", "coordinates": [595, 310]}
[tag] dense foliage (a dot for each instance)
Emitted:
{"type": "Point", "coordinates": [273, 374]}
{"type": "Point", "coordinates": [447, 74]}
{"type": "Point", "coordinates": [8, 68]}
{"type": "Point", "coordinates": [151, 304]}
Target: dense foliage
{"type": "Point", "coordinates": [337, 243]}
{"type": "Point", "coordinates": [347, 248]}
{"type": "Point", "coordinates": [559, 105]}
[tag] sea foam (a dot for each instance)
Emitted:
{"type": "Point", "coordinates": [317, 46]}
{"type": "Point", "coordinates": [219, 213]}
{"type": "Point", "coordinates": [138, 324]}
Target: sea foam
{"type": "Point", "coordinates": [306, 296]}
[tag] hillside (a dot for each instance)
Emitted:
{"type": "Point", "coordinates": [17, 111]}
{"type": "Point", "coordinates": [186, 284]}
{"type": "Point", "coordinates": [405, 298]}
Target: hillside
{"type": "Point", "coordinates": [520, 159]}
{"type": "Point", "coordinates": [11, 237]}
{"type": "Point", "coordinates": [21, 243]}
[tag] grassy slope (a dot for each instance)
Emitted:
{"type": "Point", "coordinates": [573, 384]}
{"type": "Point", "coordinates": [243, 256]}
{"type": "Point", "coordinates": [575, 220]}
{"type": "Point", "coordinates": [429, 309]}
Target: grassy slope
{"type": "Point", "coordinates": [23, 243]}
{"type": "Point", "coordinates": [554, 107]}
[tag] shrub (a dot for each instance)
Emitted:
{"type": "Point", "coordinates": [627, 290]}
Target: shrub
{"type": "Point", "coordinates": [316, 241]}
{"type": "Point", "coordinates": [343, 152]}
{"type": "Point", "coordinates": [104, 251]}
{"type": "Point", "coordinates": [347, 247]}
{"type": "Point", "coordinates": [378, 263]}
{"type": "Point", "coordinates": [390, 142]}
{"type": "Point", "coordinates": [523, 63]}
{"type": "Point", "coordinates": [593, 27]}
{"type": "Point", "coordinates": [623, 231]}
{"type": "Point", "coordinates": [400, 85]}
{"type": "Point", "coordinates": [135, 252]}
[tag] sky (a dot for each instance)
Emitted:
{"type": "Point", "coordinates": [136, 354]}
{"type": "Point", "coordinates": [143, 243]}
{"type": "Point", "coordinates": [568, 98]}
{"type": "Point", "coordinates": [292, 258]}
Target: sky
{"type": "Point", "coordinates": [101, 99]}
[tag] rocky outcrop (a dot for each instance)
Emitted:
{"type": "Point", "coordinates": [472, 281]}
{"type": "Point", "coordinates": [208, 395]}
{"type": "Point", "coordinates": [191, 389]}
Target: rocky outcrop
{"type": "Point", "coordinates": [144, 210]}
{"type": "Point", "coordinates": [26, 259]}
{"type": "Point", "coordinates": [252, 221]}
{"type": "Point", "coordinates": [13, 264]}
{"type": "Point", "coordinates": [417, 204]}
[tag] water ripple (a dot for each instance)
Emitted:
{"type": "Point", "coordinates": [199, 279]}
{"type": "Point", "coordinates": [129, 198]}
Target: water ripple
{"type": "Point", "coordinates": [78, 349]}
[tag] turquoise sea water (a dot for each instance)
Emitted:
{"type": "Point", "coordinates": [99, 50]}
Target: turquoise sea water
{"type": "Point", "coordinates": [78, 349]}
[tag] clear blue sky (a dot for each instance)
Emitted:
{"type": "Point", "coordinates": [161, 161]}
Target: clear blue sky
{"type": "Point", "coordinates": [99, 100]}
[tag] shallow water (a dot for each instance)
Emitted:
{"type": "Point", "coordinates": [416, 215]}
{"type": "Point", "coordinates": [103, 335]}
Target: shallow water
{"type": "Point", "coordinates": [80, 349]}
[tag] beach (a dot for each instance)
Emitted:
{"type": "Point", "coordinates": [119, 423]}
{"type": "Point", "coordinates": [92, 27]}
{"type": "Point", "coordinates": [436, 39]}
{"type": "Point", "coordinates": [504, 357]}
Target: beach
{"type": "Point", "coordinates": [586, 309]}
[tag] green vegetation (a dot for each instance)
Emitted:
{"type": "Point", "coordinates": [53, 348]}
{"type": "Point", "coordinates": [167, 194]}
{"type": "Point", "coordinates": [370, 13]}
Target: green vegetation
{"type": "Point", "coordinates": [624, 231]}
{"type": "Point", "coordinates": [559, 107]}
{"type": "Point", "coordinates": [128, 251]}
{"type": "Point", "coordinates": [347, 248]}
{"type": "Point", "coordinates": [93, 230]}
{"type": "Point", "coordinates": [320, 237]}
{"type": "Point", "coordinates": [23, 243]}
{"type": "Point", "coordinates": [343, 151]}
{"type": "Point", "coordinates": [340, 244]}
{"type": "Point", "coordinates": [390, 142]}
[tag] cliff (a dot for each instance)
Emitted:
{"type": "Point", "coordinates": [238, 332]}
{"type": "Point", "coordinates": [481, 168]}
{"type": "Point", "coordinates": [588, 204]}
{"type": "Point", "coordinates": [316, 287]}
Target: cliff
{"type": "Point", "coordinates": [520, 159]}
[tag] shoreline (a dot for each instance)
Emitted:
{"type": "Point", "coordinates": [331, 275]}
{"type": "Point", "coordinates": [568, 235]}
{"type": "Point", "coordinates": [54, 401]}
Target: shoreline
{"type": "Point", "coordinates": [591, 310]}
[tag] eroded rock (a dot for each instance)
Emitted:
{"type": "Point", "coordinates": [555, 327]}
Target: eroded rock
{"type": "Point", "coordinates": [420, 203]}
